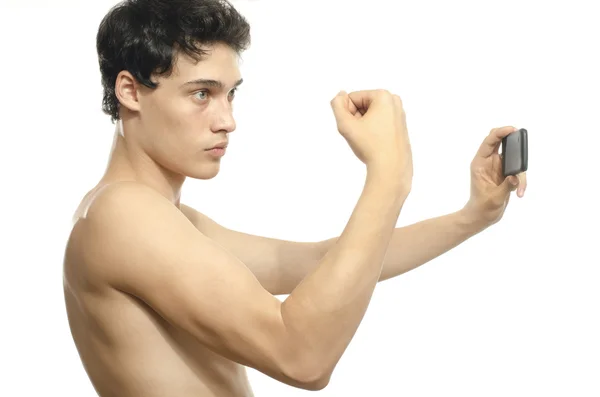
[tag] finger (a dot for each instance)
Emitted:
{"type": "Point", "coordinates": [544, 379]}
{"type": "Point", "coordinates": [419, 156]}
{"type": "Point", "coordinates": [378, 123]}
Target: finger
{"type": "Point", "coordinates": [492, 142]}
{"type": "Point", "coordinates": [400, 109]}
{"type": "Point", "coordinates": [398, 103]}
{"type": "Point", "coordinates": [522, 184]}
{"type": "Point", "coordinates": [364, 99]}
{"type": "Point", "coordinates": [339, 105]}
{"type": "Point", "coordinates": [353, 109]}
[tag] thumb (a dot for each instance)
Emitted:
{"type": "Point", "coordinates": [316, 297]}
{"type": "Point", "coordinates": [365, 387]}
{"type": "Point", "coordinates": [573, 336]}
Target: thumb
{"type": "Point", "coordinates": [341, 110]}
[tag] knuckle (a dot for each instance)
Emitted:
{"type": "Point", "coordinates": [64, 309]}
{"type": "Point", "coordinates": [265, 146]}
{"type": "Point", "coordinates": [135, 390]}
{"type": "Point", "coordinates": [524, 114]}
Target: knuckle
{"type": "Point", "coordinates": [382, 93]}
{"type": "Point", "coordinates": [398, 102]}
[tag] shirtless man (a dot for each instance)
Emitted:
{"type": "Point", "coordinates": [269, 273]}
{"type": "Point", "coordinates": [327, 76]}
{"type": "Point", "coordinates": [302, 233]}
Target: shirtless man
{"type": "Point", "coordinates": [162, 300]}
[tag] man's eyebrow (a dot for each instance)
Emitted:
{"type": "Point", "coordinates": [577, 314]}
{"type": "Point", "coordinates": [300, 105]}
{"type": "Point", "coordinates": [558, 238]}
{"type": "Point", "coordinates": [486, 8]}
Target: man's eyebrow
{"type": "Point", "coordinates": [211, 83]}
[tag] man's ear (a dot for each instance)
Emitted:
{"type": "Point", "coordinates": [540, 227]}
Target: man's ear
{"type": "Point", "coordinates": [126, 90]}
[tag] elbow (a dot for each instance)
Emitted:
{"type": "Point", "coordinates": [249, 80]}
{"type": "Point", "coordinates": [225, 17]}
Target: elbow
{"type": "Point", "coordinates": [309, 374]}
{"type": "Point", "coordinates": [314, 381]}
{"type": "Point", "coordinates": [317, 383]}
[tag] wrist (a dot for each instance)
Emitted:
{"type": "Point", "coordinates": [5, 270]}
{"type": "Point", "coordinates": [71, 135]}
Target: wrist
{"type": "Point", "coordinates": [396, 178]}
{"type": "Point", "coordinates": [472, 220]}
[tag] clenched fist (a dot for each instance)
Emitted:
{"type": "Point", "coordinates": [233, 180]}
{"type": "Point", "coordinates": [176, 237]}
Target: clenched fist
{"type": "Point", "coordinates": [373, 123]}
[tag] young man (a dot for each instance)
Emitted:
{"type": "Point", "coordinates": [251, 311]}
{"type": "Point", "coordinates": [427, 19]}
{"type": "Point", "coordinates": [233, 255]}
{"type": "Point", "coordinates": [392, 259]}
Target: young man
{"type": "Point", "coordinates": [161, 299]}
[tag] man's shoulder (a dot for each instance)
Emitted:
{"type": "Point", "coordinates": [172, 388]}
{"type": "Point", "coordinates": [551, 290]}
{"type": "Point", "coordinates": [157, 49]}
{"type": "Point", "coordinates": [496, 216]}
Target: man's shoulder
{"type": "Point", "coordinates": [117, 203]}
{"type": "Point", "coordinates": [114, 219]}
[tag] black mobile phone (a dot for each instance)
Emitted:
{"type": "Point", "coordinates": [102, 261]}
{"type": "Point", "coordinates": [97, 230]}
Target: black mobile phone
{"type": "Point", "coordinates": [514, 153]}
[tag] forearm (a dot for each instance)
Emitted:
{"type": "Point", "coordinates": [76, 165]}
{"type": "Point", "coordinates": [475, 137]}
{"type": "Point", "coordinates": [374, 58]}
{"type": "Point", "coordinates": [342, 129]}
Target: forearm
{"type": "Point", "coordinates": [414, 245]}
{"type": "Point", "coordinates": [325, 309]}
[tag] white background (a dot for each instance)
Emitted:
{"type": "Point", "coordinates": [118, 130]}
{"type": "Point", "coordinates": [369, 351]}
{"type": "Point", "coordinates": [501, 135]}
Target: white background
{"type": "Point", "coordinates": [514, 311]}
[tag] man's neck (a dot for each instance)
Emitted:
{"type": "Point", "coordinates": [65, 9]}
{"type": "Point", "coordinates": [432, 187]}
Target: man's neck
{"type": "Point", "coordinates": [128, 162]}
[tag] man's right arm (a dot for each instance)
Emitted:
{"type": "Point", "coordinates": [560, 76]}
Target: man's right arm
{"type": "Point", "coordinates": [326, 308]}
{"type": "Point", "coordinates": [144, 246]}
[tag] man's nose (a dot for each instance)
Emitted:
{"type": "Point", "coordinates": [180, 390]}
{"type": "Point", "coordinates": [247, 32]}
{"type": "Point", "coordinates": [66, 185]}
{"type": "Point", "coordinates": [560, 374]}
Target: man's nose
{"type": "Point", "coordinates": [224, 120]}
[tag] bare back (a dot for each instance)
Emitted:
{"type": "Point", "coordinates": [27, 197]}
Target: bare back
{"type": "Point", "coordinates": [126, 347]}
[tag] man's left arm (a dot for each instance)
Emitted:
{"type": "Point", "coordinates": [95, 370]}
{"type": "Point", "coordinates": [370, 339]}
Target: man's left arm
{"type": "Point", "coordinates": [414, 245]}
{"type": "Point", "coordinates": [280, 265]}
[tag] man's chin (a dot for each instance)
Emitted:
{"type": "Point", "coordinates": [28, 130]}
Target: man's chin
{"type": "Point", "coordinates": [205, 172]}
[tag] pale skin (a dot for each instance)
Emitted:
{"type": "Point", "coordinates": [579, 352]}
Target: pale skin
{"type": "Point", "coordinates": [162, 300]}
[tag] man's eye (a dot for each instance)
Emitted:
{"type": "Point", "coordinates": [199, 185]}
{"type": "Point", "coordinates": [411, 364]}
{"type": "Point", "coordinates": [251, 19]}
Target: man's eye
{"type": "Point", "coordinates": [232, 92]}
{"type": "Point", "coordinates": [202, 95]}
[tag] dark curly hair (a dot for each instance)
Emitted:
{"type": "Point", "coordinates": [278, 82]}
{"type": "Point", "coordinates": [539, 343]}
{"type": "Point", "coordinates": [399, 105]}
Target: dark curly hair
{"type": "Point", "coordinates": [144, 37]}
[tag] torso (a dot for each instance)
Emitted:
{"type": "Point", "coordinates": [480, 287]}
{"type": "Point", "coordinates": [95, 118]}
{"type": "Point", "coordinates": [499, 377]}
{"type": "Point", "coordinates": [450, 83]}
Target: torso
{"type": "Point", "coordinates": [129, 350]}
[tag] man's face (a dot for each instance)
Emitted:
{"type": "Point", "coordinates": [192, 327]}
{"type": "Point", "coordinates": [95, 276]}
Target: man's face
{"type": "Point", "coordinates": [190, 112]}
